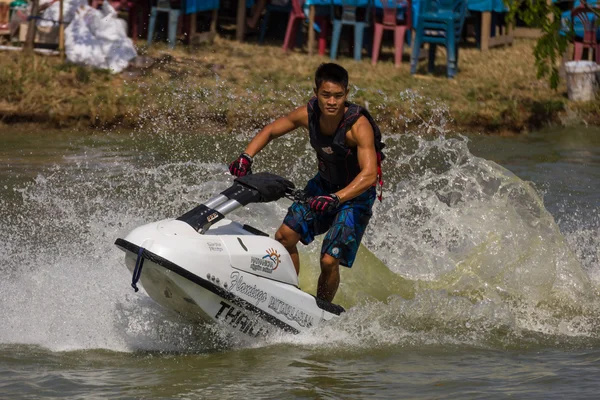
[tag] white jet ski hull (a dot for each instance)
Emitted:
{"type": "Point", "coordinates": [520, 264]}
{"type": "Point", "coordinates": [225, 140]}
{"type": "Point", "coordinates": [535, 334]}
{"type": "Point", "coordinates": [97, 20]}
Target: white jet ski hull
{"type": "Point", "coordinates": [231, 274]}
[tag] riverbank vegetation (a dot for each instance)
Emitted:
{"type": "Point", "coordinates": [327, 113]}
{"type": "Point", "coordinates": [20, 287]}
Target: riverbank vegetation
{"type": "Point", "coordinates": [239, 85]}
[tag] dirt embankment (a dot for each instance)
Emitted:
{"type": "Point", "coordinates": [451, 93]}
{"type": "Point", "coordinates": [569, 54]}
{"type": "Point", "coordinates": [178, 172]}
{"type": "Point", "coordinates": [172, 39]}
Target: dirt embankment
{"type": "Point", "coordinates": [246, 85]}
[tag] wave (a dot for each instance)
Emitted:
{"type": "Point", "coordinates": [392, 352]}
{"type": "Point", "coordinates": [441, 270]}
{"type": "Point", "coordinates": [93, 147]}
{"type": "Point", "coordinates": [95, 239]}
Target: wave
{"type": "Point", "coordinates": [461, 251]}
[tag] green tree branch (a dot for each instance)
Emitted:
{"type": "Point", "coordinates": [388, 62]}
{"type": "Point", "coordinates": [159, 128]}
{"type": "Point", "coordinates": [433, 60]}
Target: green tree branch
{"type": "Point", "coordinates": [556, 34]}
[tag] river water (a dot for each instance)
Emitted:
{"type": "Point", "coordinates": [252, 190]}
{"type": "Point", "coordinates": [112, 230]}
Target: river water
{"type": "Point", "coordinates": [480, 280]}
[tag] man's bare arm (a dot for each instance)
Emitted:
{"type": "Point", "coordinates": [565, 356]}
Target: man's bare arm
{"type": "Point", "coordinates": [362, 134]}
{"type": "Point", "coordinates": [277, 128]}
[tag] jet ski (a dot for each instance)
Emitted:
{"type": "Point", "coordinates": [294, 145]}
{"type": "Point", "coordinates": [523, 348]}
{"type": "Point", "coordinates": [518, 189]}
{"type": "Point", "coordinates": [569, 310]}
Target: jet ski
{"type": "Point", "coordinates": [211, 269]}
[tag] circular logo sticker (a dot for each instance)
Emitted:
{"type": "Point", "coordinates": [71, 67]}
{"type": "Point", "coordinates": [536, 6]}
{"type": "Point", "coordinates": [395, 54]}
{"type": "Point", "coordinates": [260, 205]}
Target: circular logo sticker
{"type": "Point", "coordinates": [335, 251]}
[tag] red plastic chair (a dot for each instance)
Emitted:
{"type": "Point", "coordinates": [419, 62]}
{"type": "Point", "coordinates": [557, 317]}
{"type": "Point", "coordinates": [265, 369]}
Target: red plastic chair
{"type": "Point", "coordinates": [590, 38]}
{"type": "Point", "coordinates": [296, 18]}
{"type": "Point", "coordinates": [390, 22]}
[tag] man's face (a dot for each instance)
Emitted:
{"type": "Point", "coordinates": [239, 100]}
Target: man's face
{"type": "Point", "coordinates": [331, 97]}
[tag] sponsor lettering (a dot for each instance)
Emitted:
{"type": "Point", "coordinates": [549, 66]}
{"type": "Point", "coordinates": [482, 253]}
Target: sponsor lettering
{"type": "Point", "coordinates": [291, 312]}
{"type": "Point", "coordinates": [261, 264]}
{"type": "Point", "coordinates": [212, 217]}
{"type": "Point", "coordinates": [215, 246]}
{"type": "Point", "coordinates": [237, 319]}
{"type": "Point", "coordinates": [238, 284]}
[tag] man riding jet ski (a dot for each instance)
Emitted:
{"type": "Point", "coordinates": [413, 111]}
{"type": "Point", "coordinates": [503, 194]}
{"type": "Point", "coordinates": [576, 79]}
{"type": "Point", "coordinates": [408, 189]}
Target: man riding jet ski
{"type": "Point", "coordinates": [348, 146]}
{"type": "Point", "coordinates": [209, 268]}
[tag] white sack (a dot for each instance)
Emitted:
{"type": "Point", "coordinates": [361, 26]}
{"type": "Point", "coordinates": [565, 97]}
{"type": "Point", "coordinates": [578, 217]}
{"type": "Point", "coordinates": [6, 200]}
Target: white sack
{"type": "Point", "coordinates": [99, 39]}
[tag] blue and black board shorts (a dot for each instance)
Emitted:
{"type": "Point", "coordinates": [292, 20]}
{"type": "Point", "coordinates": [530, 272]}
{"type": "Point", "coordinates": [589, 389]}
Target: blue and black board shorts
{"type": "Point", "coordinates": [345, 226]}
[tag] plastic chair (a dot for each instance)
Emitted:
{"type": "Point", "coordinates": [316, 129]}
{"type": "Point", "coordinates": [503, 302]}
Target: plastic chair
{"type": "Point", "coordinates": [567, 23]}
{"type": "Point", "coordinates": [390, 22]}
{"type": "Point", "coordinates": [348, 17]}
{"type": "Point", "coordinates": [439, 22]}
{"type": "Point", "coordinates": [589, 40]}
{"type": "Point", "coordinates": [271, 8]}
{"type": "Point", "coordinates": [296, 17]}
{"type": "Point", "coordinates": [164, 6]}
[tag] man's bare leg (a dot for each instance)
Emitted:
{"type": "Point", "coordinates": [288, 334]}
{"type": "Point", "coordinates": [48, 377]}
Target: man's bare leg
{"type": "Point", "coordinates": [329, 280]}
{"type": "Point", "coordinates": [289, 239]}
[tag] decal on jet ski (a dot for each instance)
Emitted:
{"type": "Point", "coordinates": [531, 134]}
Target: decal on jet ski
{"type": "Point", "coordinates": [212, 217]}
{"type": "Point", "coordinates": [237, 319]}
{"type": "Point", "coordinates": [268, 263]}
{"type": "Point", "coordinates": [215, 246]}
{"type": "Point", "coordinates": [238, 284]}
{"type": "Point", "coordinates": [274, 256]}
{"type": "Point", "coordinates": [290, 312]}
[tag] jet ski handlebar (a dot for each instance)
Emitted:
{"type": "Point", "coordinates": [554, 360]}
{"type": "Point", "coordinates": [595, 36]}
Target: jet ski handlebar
{"type": "Point", "coordinates": [262, 187]}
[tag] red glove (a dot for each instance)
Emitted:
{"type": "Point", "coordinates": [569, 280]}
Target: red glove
{"type": "Point", "coordinates": [324, 204]}
{"type": "Point", "coordinates": [241, 166]}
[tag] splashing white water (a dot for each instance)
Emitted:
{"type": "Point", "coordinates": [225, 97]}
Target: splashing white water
{"type": "Point", "coordinates": [487, 261]}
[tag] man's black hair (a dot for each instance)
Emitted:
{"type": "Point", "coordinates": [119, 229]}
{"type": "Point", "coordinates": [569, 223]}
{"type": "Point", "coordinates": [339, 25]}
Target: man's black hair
{"type": "Point", "coordinates": [331, 72]}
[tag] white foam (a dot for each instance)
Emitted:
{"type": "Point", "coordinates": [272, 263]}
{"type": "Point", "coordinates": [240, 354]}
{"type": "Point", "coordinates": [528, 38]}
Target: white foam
{"type": "Point", "coordinates": [487, 261]}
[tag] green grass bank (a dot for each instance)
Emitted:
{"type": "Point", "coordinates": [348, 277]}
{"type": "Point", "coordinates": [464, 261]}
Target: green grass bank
{"type": "Point", "coordinates": [232, 85]}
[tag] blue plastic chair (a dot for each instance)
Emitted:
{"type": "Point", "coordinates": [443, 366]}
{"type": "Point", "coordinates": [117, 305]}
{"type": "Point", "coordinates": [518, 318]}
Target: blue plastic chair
{"type": "Point", "coordinates": [348, 17]}
{"type": "Point", "coordinates": [271, 8]}
{"type": "Point", "coordinates": [164, 6]}
{"type": "Point", "coordinates": [439, 22]}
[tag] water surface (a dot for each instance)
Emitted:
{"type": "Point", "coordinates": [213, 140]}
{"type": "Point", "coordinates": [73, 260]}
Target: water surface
{"type": "Point", "coordinates": [498, 237]}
